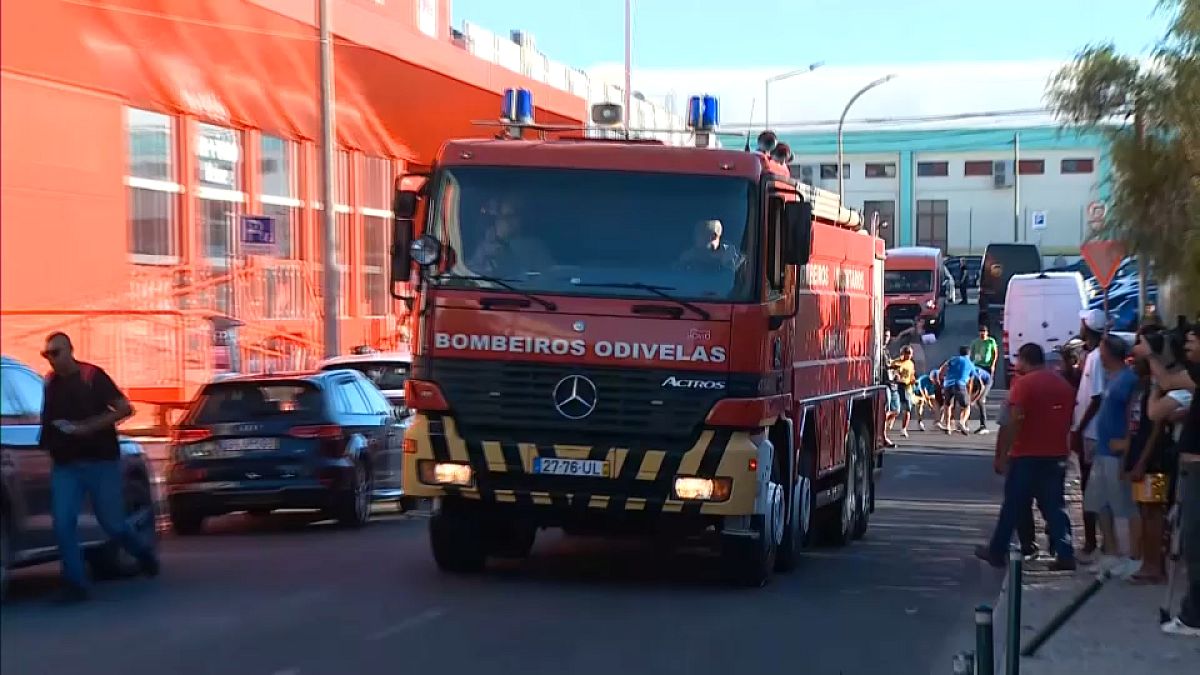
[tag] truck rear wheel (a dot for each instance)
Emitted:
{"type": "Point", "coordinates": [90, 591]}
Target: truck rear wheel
{"type": "Point", "coordinates": [749, 561]}
{"type": "Point", "coordinates": [458, 542]}
{"type": "Point", "coordinates": [866, 482]}
{"type": "Point", "coordinates": [840, 519]}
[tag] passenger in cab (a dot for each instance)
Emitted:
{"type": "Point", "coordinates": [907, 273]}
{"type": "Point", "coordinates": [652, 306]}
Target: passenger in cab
{"type": "Point", "coordinates": [506, 251]}
{"type": "Point", "coordinates": [708, 252]}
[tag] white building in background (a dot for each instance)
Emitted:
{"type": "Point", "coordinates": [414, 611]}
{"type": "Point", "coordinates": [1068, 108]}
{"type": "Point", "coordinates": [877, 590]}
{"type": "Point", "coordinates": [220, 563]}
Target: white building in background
{"type": "Point", "coordinates": [956, 189]}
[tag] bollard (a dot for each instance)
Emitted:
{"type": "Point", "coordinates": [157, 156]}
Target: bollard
{"type": "Point", "coordinates": [964, 663]}
{"type": "Point", "coordinates": [985, 653]}
{"type": "Point", "coordinates": [1012, 649]}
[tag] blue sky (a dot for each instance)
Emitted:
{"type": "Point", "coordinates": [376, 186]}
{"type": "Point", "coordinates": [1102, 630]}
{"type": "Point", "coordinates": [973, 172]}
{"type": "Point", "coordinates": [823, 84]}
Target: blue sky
{"type": "Point", "coordinates": [584, 33]}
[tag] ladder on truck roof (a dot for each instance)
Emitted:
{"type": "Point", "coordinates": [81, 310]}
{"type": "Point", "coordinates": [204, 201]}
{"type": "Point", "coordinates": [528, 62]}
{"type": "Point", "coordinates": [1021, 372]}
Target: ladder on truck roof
{"type": "Point", "coordinates": [829, 209]}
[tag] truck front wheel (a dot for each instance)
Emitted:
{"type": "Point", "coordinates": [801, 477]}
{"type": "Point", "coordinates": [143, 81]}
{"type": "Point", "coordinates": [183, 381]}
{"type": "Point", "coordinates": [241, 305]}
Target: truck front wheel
{"type": "Point", "coordinates": [749, 561]}
{"type": "Point", "coordinates": [458, 542]}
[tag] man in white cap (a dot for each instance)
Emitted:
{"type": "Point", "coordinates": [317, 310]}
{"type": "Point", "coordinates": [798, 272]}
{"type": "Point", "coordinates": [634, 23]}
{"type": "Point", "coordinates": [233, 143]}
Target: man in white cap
{"type": "Point", "coordinates": [1087, 404]}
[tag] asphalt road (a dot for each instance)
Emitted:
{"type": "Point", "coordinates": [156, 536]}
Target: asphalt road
{"type": "Point", "coordinates": [285, 596]}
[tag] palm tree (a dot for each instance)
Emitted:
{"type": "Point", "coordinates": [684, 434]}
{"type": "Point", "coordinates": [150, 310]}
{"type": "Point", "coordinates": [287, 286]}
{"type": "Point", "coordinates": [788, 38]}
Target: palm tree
{"type": "Point", "coordinates": [1150, 111]}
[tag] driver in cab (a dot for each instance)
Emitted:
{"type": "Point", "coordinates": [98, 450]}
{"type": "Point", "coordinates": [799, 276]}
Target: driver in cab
{"type": "Point", "coordinates": [708, 252]}
{"type": "Point", "coordinates": [505, 251]}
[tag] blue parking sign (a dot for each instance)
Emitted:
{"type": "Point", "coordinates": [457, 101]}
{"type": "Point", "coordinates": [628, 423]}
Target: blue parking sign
{"type": "Point", "coordinates": [258, 235]}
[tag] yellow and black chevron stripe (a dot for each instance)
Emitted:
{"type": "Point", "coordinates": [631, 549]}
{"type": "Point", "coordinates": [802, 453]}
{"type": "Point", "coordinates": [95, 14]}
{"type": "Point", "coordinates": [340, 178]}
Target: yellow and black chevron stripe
{"type": "Point", "coordinates": [641, 477]}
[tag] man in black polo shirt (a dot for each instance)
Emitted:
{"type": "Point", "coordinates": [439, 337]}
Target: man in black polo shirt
{"type": "Point", "coordinates": [79, 429]}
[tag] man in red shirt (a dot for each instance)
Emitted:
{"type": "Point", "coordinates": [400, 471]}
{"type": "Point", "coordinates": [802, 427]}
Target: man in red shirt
{"type": "Point", "coordinates": [1034, 458]}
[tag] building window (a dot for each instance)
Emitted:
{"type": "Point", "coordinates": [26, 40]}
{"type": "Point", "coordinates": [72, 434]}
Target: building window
{"type": "Point", "coordinates": [1078, 166]}
{"type": "Point", "coordinates": [981, 167]}
{"type": "Point", "coordinates": [219, 201]}
{"type": "Point", "coordinates": [931, 169]}
{"type": "Point", "coordinates": [278, 176]}
{"type": "Point", "coordinates": [153, 190]}
{"type": "Point", "coordinates": [933, 216]}
{"type": "Point", "coordinates": [376, 214]}
{"type": "Point", "coordinates": [880, 170]}
{"type": "Point", "coordinates": [887, 219]}
{"type": "Point", "coordinates": [1031, 167]}
{"type": "Point", "coordinates": [830, 172]}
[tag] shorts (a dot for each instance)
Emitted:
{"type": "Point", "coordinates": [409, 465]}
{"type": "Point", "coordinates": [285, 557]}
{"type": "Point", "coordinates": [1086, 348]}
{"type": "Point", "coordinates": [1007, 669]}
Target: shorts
{"type": "Point", "coordinates": [957, 393]}
{"type": "Point", "coordinates": [906, 399]}
{"type": "Point", "coordinates": [1105, 489]}
{"type": "Point", "coordinates": [893, 400]}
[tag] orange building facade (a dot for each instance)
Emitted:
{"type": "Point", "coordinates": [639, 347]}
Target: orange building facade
{"type": "Point", "coordinates": [138, 134]}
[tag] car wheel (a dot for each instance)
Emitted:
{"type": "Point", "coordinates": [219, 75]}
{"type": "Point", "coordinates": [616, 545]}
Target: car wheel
{"type": "Point", "coordinates": [513, 539]}
{"type": "Point", "coordinates": [457, 541]}
{"type": "Point", "coordinates": [111, 561]}
{"type": "Point", "coordinates": [6, 556]}
{"type": "Point", "coordinates": [184, 522]}
{"type": "Point", "coordinates": [355, 508]}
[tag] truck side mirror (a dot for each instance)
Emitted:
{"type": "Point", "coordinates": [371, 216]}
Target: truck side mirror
{"type": "Point", "coordinates": [798, 217]}
{"type": "Point", "coordinates": [410, 190]}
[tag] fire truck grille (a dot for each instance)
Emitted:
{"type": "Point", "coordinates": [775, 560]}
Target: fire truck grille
{"type": "Point", "coordinates": [512, 400]}
{"type": "Point", "coordinates": [900, 315]}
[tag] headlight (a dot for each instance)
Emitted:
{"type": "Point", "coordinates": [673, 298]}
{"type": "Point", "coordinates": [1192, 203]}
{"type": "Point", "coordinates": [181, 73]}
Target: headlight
{"type": "Point", "coordinates": [445, 473]}
{"type": "Point", "coordinates": [931, 304]}
{"type": "Point", "coordinates": [689, 488]}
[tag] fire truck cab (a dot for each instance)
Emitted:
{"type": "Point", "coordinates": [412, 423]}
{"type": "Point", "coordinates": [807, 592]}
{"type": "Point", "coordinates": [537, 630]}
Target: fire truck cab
{"type": "Point", "coordinates": [630, 337]}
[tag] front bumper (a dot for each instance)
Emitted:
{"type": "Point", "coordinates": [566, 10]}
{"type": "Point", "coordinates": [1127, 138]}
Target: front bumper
{"type": "Point", "coordinates": [641, 478]}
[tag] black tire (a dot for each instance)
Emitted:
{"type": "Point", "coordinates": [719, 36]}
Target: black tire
{"type": "Point", "coordinates": [110, 561]}
{"type": "Point", "coordinates": [866, 483]}
{"type": "Point", "coordinates": [353, 508]}
{"type": "Point", "coordinates": [513, 539]}
{"type": "Point", "coordinates": [186, 523]}
{"type": "Point", "coordinates": [798, 530]}
{"type": "Point", "coordinates": [838, 520]}
{"type": "Point", "coordinates": [258, 513]}
{"type": "Point", "coordinates": [749, 561]}
{"type": "Point", "coordinates": [6, 556]}
{"type": "Point", "coordinates": [457, 542]}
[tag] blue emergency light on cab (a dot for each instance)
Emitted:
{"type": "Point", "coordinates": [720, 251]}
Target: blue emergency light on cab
{"type": "Point", "coordinates": [703, 112]}
{"type": "Point", "coordinates": [518, 106]}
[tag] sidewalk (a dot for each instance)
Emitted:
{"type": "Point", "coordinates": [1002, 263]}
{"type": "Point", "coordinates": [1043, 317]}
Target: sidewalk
{"type": "Point", "coordinates": [1115, 633]}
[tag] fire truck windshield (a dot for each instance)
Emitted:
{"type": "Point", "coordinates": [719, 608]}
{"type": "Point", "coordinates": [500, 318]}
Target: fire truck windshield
{"type": "Point", "coordinates": [901, 282]}
{"type": "Point", "coordinates": [588, 232]}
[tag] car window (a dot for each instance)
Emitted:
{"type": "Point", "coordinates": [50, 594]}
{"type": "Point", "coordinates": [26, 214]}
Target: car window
{"type": "Point", "coordinates": [386, 375]}
{"type": "Point", "coordinates": [240, 401]}
{"type": "Point", "coordinates": [22, 394]}
{"type": "Point", "coordinates": [356, 399]}
{"type": "Point", "coordinates": [375, 398]}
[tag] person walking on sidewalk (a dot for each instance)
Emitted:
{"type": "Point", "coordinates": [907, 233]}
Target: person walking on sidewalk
{"type": "Point", "coordinates": [1087, 403]}
{"type": "Point", "coordinates": [1188, 621]}
{"type": "Point", "coordinates": [79, 429]}
{"type": "Point", "coordinates": [1034, 458]}
{"type": "Point", "coordinates": [1108, 494]}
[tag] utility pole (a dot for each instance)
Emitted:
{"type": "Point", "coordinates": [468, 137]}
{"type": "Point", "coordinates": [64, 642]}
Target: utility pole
{"type": "Point", "coordinates": [1139, 121]}
{"type": "Point", "coordinates": [628, 64]}
{"type": "Point", "coordinates": [1016, 187]}
{"type": "Point", "coordinates": [841, 175]}
{"type": "Point", "coordinates": [328, 211]}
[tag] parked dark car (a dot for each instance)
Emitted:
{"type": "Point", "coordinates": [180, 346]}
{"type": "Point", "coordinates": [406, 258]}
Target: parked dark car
{"type": "Point", "coordinates": [326, 441]}
{"type": "Point", "coordinates": [26, 526]}
{"type": "Point", "coordinates": [1000, 263]}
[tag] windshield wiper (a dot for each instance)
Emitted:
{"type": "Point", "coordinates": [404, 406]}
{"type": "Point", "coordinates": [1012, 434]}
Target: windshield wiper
{"type": "Point", "coordinates": [502, 283]}
{"type": "Point", "coordinates": [656, 290]}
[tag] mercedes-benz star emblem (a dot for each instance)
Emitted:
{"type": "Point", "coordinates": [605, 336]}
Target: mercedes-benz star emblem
{"type": "Point", "coordinates": [579, 326]}
{"type": "Point", "coordinates": [575, 397]}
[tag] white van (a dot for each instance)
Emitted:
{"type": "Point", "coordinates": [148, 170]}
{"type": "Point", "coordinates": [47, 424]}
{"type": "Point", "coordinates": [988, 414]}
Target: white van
{"type": "Point", "coordinates": [1043, 309]}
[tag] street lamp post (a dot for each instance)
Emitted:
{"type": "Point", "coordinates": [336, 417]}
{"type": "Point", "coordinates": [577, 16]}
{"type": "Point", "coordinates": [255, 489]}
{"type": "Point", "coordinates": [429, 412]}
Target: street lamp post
{"type": "Point", "coordinates": [842, 121]}
{"type": "Point", "coordinates": [328, 216]}
{"type": "Point", "coordinates": [776, 78]}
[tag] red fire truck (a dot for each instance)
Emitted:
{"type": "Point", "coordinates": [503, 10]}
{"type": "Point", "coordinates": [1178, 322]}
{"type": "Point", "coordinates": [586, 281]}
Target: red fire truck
{"type": "Point", "coordinates": [619, 336]}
